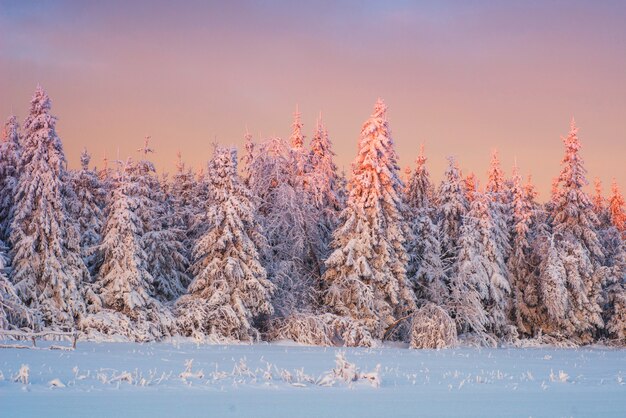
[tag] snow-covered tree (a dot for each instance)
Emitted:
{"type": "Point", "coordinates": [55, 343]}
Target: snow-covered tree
{"type": "Point", "coordinates": [485, 307]}
{"type": "Point", "coordinates": [230, 288]}
{"type": "Point", "coordinates": [87, 209]}
{"type": "Point", "coordinates": [298, 151]}
{"type": "Point", "coordinates": [500, 206]}
{"type": "Point", "coordinates": [471, 185]}
{"type": "Point", "coordinates": [617, 209]}
{"type": "Point", "coordinates": [287, 218]}
{"type": "Point", "coordinates": [162, 240]}
{"type": "Point", "coordinates": [425, 268]}
{"type": "Point", "coordinates": [323, 190]}
{"type": "Point", "coordinates": [185, 204]}
{"type": "Point", "coordinates": [47, 267]}
{"type": "Point", "coordinates": [574, 258]}
{"type": "Point", "coordinates": [13, 312]}
{"type": "Point", "coordinates": [122, 301]}
{"type": "Point", "coordinates": [247, 158]}
{"type": "Point", "coordinates": [521, 268]}
{"type": "Point", "coordinates": [10, 152]}
{"type": "Point", "coordinates": [452, 207]}
{"type": "Point", "coordinates": [366, 273]}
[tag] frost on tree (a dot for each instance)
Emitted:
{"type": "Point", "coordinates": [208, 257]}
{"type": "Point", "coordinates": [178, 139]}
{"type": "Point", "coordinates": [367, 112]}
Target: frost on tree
{"type": "Point", "coordinates": [366, 273]}
{"type": "Point", "coordinates": [425, 268]}
{"type": "Point", "coordinates": [573, 262]}
{"type": "Point", "coordinates": [10, 152]}
{"type": "Point", "coordinates": [87, 210]}
{"type": "Point", "coordinates": [286, 218]}
{"type": "Point", "coordinates": [121, 302]}
{"type": "Point", "coordinates": [47, 267]}
{"type": "Point", "coordinates": [229, 288]}
{"type": "Point", "coordinates": [453, 206]}
{"type": "Point", "coordinates": [13, 313]}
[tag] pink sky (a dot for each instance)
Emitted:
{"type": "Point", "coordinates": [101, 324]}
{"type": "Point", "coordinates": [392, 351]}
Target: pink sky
{"type": "Point", "coordinates": [461, 77]}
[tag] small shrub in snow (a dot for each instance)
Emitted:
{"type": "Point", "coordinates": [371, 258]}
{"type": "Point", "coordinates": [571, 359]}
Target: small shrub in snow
{"type": "Point", "coordinates": [324, 330]}
{"type": "Point", "coordinates": [432, 327]}
{"type": "Point", "coordinates": [22, 375]}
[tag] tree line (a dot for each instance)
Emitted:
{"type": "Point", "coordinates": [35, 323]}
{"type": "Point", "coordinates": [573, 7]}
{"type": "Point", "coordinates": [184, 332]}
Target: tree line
{"type": "Point", "coordinates": [278, 245]}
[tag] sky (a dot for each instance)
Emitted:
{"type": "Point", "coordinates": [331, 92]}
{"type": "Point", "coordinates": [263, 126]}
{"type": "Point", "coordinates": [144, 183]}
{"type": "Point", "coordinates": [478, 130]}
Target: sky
{"type": "Point", "coordinates": [461, 77]}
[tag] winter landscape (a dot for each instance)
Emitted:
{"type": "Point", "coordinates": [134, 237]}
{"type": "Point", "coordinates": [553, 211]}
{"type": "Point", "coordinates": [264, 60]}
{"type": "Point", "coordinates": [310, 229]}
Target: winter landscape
{"type": "Point", "coordinates": [270, 282]}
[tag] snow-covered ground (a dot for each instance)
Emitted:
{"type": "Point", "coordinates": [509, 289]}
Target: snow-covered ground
{"type": "Point", "coordinates": [269, 380]}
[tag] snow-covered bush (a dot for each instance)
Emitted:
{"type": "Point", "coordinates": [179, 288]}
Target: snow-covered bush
{"type": "Point", "coordinates": [432, 327]}
{"type": "Point", "coordinates": [323, 330]}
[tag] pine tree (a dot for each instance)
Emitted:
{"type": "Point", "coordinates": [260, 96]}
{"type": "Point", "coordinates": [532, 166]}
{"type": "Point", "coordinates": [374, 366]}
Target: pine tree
{"type": "Point", "coordinates": [453, 206]}
{"type": "Point", "coordinates": [366, 272]}
{"type": "Point", "coordinates": [578, 252]}
{"type": "Point", "coordinates": [88, 211]}
{"type": "Point", "coordinates": [47, 266]}
{"type": "Point", "coordinates": [230, 289]}
{"type": "Point", "coordinates": [123, 302]}
{"type": "Point", "coordinates": [425, 267]}
{"type": "Point", "coordinates": [10, 152]}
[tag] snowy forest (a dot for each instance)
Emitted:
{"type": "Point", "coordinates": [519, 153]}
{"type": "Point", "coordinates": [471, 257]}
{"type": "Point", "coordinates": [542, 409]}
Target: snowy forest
{"type": "Point", "coordinates": [274, 243]}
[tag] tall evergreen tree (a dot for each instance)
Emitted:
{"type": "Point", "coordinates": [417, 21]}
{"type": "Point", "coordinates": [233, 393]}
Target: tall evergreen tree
{"type": "Point", "coordinates": [575, 255]}
{"type": "Point", "coordinates": [47, 266]}
{"type": "Point", "coordinates": [522, 272]}
{"type": "Point", "coordinates": [230, 289]}
{"type": "Point", "coordinates": [366, 272]}
{"type": "Point", "coordinates": [123, 302]}
{"type": "Point", "coordinates": [161, 239]}
{"type": "Point", "coordinates": [425, 267]}
{"type": "Point", "coordinates": [90, 199]}
{"type": "Point", "coordinates": [286, 217]}
{"type": "Point", "coordinates": [322, 186]}
{"type": "Point", "coordinates": [453, 205]}
{"type": "Point", "coordinates": [10, 152]}
{"type": "Point", "coordinates": [617, 209]}
{"type": "Point", "coordinates": [500, 206]}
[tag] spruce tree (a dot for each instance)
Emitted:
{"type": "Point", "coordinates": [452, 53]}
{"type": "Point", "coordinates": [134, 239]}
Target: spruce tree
{"type": "Point", "coordinates": [230, 288]}
{"type": "Point", "coordinates": [47, 267]}
{"type": "Point", "coordinates": [366, 273]}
